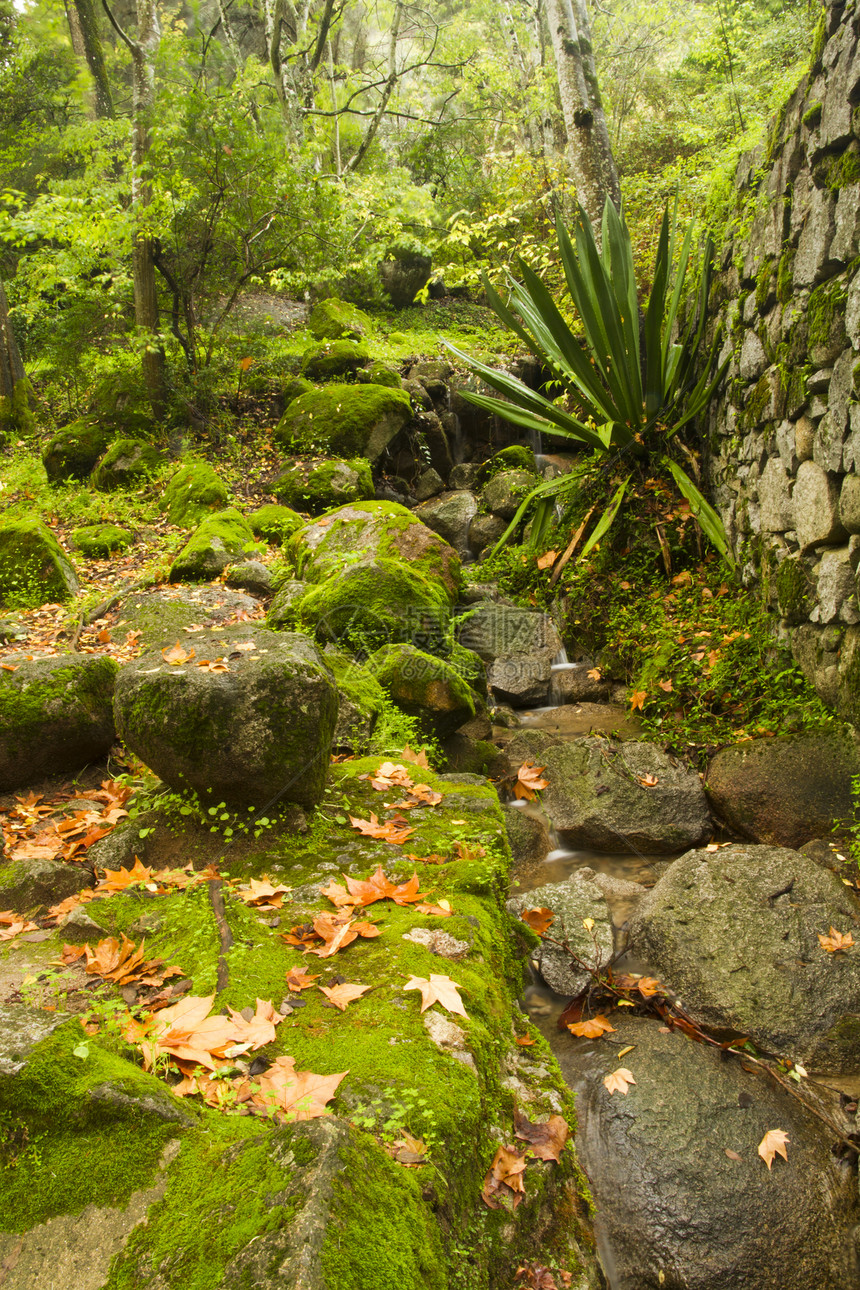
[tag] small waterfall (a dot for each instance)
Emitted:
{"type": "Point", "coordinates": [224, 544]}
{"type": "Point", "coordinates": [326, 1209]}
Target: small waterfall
{"type": "Point", "coordinates": [536, 442]}
{"type": "Point", "coordinates": [561, 663]}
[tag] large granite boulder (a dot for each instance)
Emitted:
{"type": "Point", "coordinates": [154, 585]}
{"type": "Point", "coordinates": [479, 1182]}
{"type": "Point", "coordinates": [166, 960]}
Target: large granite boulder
{"type": "Point", "coordinates": [611, 796]}
{"type": "Point", "coordinates": [344, 420]}
{"type": "Point", "coordinates": [370, 530]}
{"type": "Point", "coordinates": [572, 902]}
{"type": "Point", "coordinates": [682, 1198]}
{"type": "Point", "coordinates": [34, 568]}
{"type": "Point", "coordinates": [450, 515]}
{"type": "Point", "coordinates": [424, 687]}
{"type": "Point", "coordinates": [219, 541]}
{"type": "Point", "coordinates": [785, 791]}
{"type": "Point", "coordinates": [258, 727]}
{"type": "Point", "coordinates": [55, 715]}
{"type": "Point", "coordinates": [335, 319]}
{"type": "Point", "coordinates": [333, 358]}
{"type": "Point", "coordinates": [380, 602]}
{"type": "Point", "coordinates": [126, 464]}
{"type": "Point", "coordinates": [735, 934]}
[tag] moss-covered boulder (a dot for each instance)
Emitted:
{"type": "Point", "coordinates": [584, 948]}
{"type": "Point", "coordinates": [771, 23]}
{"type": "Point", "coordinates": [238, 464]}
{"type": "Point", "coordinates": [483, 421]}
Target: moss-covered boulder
{"type": "Point", "coordinates": [34, 568]}
{"type": "Point", "coordinates": [283, 614]}
{"type": "Point", "coordinates": [98, 541]}
{"type": "Point", "coordinates": [274, 523]}
{"type": "Point", "coordinates": [221, 540]}
{"type": "Point", "coordinates": [258, 729]}
{"type": "Point", "coordinates": [120, 400]}
{"type": "Point", "coordinates": [74, 450]}
{"type": "Point", "coordinates": [365, 530]}
{"type": "Point", "coordinates": [503, 494]}
{"type": "Point", "coordinates": [320, 485]}
{"type": "Point", "coordinates": [126, 464]}
{"type": "Point", "coordinates": [515, 457]}
{"type": "Point", "coordinates": [251, 576]}
{"type": "Point", "coordinates": [345, 420]}
{"type": "Point", "coordinates": [193, 492]}
{"type": "Point", "coordinates": [55, 716]}
{"type": "Point", "coordinates": [362, 700]}
{"type": "Point", "coordinates": [423, 686]}
{"type": "Point", "coordinates": [26, 885]}
{"type": "Point", "coordinates": [333, 358]}
{"type": "Point", "coordinates": [379, 374]}
{"type": "Point", "coordinates": [160, 615]}
{"type": "Point", "coordinates": [335, 319]}
{"type": "Point", "coordinates": [377, 602]}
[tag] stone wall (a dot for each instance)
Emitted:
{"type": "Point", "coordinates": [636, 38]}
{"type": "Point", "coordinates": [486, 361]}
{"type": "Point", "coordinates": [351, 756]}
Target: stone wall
{"type": "Point", "coordinates": [784, 433]}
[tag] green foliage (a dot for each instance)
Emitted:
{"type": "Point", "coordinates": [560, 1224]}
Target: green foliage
{"type": "Point", "coordinates": [621, 404]}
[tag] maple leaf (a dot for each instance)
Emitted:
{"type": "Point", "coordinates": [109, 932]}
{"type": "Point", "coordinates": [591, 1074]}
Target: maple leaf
{"type": "Point", "coordinates": [177, 654]}
{"type": "Point", "coordinates": [408, 1150]}
{"type": "Point", "coordinates": [213, 665]}
{"type": "Point", "coordinates": [547, 559]}
{"type": "Point", "coordinates": [773, 1144]}
{"type": "Point", "coordinates": [666, 685]}
{"type": "Point", "coordinates": [468, 850]}
{"type": "Point", "coordinates": [389, 774]}
{"type": "Point", "coordinates": [592, 1029]}
{"type": "Point", "coordinates": [260, 1029]}
{"type": "Point", "coordinates": [505, 1178]}
{"type": "Point", "coordinates": [344, 994]}
{"type": "Point", "coordinates": [618, 1081]}
{"type": "Point", "coordinates": [546, 1139]}
{"type": "Point", "coordinates": [434, 858]}
{"type": "Point", "coordinates": [380, 887]}
{"type": "Point", "coordinates": [649, 986]}
{"type": "Point", "coordinates": [295, 1095]}
{"type": "Point", "coordinates": [302, 934]}
{"type": "Point", "coordinates": [337, 894]}
{"type": "Point", "coordinates": [424, 793]}
{"type": "Point", "coordinates": [263, 894]}
{"type": "Point", "coordinates": [56, 912]}
{"type": "Point", "coordinates": [594, 674]}
{"type": "Point", "coordinates": [187, 1032]}
{"type": "Point", "coordinates": [647, 781]}
{"type": "Point", "coordinates": [119, 879]}
{"type": "Point", "coordinates": [438, 989]}
{"type": "Point", "coordinates": [391, 831]}
{"type": "Point", "coordinates": [637, 700]}
{"type": "Point", "coordinates": [336, 932]}
{"type": "Point", "coordinates": [14, 925]}
{"type": "Point", "coordinates": [416, 759]}
{"type": "Point", "coordinates": [529, 781]}
{"type": "Point", "coordinates": [836, 941]}
{"type": "Point", "coordinates": [524, 1041]}
{"type": "Point", "coordinates": [442, 910]}
{"type": "Point", "coordinates": [537, 919]}
{"type": "Point", "coordinates": [298, 979]}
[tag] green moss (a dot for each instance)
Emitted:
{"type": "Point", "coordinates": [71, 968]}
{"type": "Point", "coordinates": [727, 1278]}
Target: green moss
{"type": "Point", "coordinates": [764, 288]}
{"type": "Point", "coordinates": [275, 523]}
{"type": "Point", "coordinates": [126, 464]}
{"type": "Point", "coordinates": [759, 400]}
{"type": "Point", "coordinates": [516, 457]}
{"type": "Point", "coordinates": [380, 374]}
{"type": "Point", "coordinates": [345, 420]}
{"type": "Point", "coordinates": [97, 541]}
{"type": "Point", "coordinates": [74, 450]}
{"type": "Point", "coordinates": [214, 544]}
{"type": "Point", "coordinates": [364, 1248]}
{"type": "Point", "coordinates": [842, 171]}
{"type": "Point", "coordinates": [785, 275]}
{"type": "Point", "coordinates": [34, 569]}
{"type": "Point", "coordinates": [812, 115]}
{"type": "Point", "coordinates": [29, 700]}
{"type": "Point", "coordinates": [193, 492]}
{"type": "Point", "coordinates": [16, 416]}
{"type": "Point", "coordinates": [794, 591]}
{"type": "Point", "coordinates": [83, 1147]}
{"type": "Point", "coordinates": [335, 319]}
{"type": "Point", "coordinates": [379, 601]}
{"type": "Point", "coordinates": [333, 358]}
{"type": "Point", "coordinates": [424, 687]}
{"type": "Point", "coordinates": [826, 313]}
{"type": "Point", "coordinates": [318, 486]}
{"type": "Point", "coordinates": [819, 40]}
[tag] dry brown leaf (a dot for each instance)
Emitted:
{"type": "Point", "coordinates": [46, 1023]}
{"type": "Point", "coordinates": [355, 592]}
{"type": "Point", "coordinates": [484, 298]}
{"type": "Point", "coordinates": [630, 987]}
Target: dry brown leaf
{"type": "Point", "coordinates": [594, 674]}
{"type": "Point", "coordinates": [438, 989]}
{"type": "Point", "coordinates": [732, 1155]}
{"type": "Point", "coordinates": [504, 1181]}
{"type": "Point", "coordinates": [119, 879]}
{"type": "Point", "coordinates": [537, 919]}
{"type": "Point", "coordinates": [415, 759]}
{"type": "Point", "coordinates": [773, 1143]}
{"type": "Point", "coordinates": [13, 925]}
{"type": "Point", "coordinates": [619, 1081]}
{"type": "Point", "coordinates": [591, 1029]}
{"type": "Point", "coordinates": [442, 910]}
{"type": "Point", "coordinates": [177, 654]}
{"type": "Point", "coordinates": [380, 887]}
{"type": "Point", "coordinates": [260, 1030]}
{"type": "Point", "coordinates": [425, 794]}
{"type": "Point", "coordinates": [529, 782]}
{"type": "Point", "coordinates": [389, 774]}
{"type": "Point", "coordinates": [524, 1041]}
{"type": "Point", "coordinates": [298, 979]}
{"type": "Point", "coordinates": [389, 832]}
{"type": "Point", "coordinates": [344, 994]}
{"type": "Point", "coordinates": [546, 1139]}
{"type": "Point", "coordinates": [263, 894]}
{"type": "Point", "coordinates": [546, 560]}
{"type": "Point", "coordinates": [836, 941]}
{"type": "Point", "coordinates": [337, 894]}
{"type": "Point", "coordinates": [648, 986]}
{"type": "Point", "coordinates": [295, 1095]}
{"type": "Point", "coordinates": [647, 781]}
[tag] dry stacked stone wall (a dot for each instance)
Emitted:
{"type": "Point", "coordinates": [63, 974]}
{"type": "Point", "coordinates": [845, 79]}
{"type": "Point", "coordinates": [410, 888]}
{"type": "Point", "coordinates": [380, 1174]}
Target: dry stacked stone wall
{"type": "Point", "coordinates": [784, 433]}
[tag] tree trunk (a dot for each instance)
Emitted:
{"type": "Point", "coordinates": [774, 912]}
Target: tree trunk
{"type": "Point", "coordinates": [85, 15]}
{"type": "Point", "coordinates": [590, 152]}
{"type": "Point", "coordinates": [15, 394]}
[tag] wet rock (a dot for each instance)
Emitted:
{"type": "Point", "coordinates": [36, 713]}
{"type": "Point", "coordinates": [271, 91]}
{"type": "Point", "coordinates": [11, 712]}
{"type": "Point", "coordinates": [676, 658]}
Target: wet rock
{"type": "Point", "coordinates": [485, 531]}
{"type": "Point", "coordinates": [519, 647]}
{"type": "Point", "coordinates": [21, 1029]}
{"type": "Point", "coordinates": [672, 1208]}
{"type": "Point", "coordinates": [571, 901]}
{"type": "Point", "coordinates": [450, 515]}
{"type": "Point", "coordinates": [259, 730]}
{"type": "Point", "coordinates": [787, 790]}
{"type": "Point", "coordinates": [55, 716]}
{"type": "Point", "coordinates": [528, 837]}
{"type": "Point", "coordinates": [424, 687]}
{"type": "Point", "coordinates": [734, 933]}
{"type": "Point", "coordinates": [611, 796]}
{"type": "Point", "coordinates": [78, 928]}
{"type": "Point", "coordinates": [430, 484]}
{"type": "Point", "coordinates": [506, 490]}
{"type": "Point", "coordinates": [572, 683]}
{"type": "Point", "coordinates": [26, 885]}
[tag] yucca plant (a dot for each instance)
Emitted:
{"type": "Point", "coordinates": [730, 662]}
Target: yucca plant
{"type": "Point", "coordinates": [631, 387]}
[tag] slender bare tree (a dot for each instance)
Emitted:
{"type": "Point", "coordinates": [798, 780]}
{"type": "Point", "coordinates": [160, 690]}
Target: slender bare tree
{"type": "Point", "coordinates": [15, 393]}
